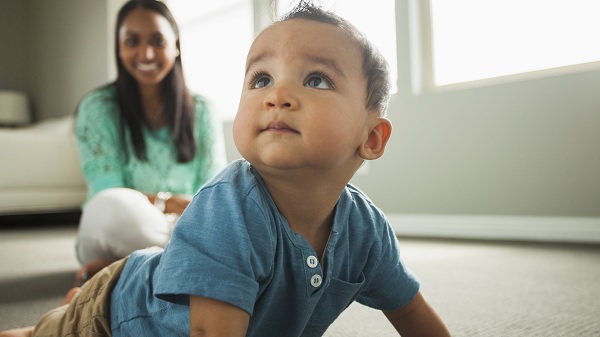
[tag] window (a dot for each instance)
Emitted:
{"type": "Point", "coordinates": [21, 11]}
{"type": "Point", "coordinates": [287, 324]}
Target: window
{"type": "Point", "coordinates": [215, 38]}
{"type": "Point", "coordinates": [479, 39]}
{"type": "Point", "coordinates": [376, 19]}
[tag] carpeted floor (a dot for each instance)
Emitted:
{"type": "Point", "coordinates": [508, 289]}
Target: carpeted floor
{"type": "Point", "coordinates": [478, 288]}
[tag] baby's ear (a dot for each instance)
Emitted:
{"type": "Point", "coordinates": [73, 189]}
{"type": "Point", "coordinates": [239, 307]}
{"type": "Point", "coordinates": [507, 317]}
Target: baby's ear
{"type": "Point", "coordinates": [374, 145]}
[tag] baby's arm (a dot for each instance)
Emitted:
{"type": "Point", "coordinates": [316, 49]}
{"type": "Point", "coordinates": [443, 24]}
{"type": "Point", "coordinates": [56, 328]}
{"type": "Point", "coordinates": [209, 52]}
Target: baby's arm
{"type": "Point", "coordinates": [210, 317]}
{"type": "Point", "coordinates": [417, 319]}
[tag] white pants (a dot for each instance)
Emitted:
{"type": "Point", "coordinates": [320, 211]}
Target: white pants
{"type": "Point", "coordinates": [118, 221]}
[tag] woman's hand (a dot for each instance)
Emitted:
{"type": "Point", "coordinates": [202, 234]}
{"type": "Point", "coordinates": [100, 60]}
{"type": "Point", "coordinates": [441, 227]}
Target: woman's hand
{"type": "Point", "coordinates": [175, 204]}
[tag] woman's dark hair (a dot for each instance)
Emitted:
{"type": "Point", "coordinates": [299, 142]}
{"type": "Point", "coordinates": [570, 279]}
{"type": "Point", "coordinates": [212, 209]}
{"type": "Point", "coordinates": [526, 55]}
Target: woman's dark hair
{"type": "Point", "coordinates": [375, 67]}
{"type": "Point", "coordinates": [176, 97]}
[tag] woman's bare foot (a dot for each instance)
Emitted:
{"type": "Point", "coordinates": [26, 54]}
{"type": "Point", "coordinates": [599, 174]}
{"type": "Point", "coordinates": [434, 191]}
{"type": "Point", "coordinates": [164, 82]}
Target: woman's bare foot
{"type": "Point", "coordinates": [90, 269]}
{"type": "Point", "coordinates": [22, 332]}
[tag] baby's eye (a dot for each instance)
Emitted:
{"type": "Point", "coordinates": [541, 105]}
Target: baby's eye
{"type": "Point", "coordinates": [260, 81]}
{"type": "Point", "coordinates": [318, 81]}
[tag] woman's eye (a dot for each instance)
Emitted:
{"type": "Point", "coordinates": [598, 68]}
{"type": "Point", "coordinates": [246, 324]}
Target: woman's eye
{"type": "Point", "coordinates": [261, 82]}
{"type": "Point", "coordinates": [158, 41]}
{"type": "Point", "coordinates": [318, 82]}
{"type": "Point", "coordinates": [131, 41]}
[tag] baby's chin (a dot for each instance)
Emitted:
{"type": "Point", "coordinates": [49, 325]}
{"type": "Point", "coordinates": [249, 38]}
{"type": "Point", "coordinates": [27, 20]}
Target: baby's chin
{"type": "Point", "coordinates": [274, 163]}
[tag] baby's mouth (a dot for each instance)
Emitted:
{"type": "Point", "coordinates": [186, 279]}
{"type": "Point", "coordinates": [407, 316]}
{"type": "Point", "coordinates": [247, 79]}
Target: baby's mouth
{"type": "Point", "coordinates": [279, 126]}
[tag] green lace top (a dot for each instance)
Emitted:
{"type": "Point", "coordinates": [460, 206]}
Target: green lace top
{"type": "Point", "coordinates": [104, 165]}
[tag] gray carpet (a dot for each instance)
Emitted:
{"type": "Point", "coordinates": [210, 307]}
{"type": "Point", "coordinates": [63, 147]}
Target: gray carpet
{"type": "Point", "coordinates": [478, 288]}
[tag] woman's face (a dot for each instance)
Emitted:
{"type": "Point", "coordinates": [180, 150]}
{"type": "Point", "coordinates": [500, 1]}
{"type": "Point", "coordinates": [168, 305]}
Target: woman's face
{"type": "Point", "coordinates": [148, 46]}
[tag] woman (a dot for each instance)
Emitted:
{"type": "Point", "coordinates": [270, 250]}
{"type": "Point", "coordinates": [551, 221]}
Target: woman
{"type": "Point", "coordinates": [146, 144]}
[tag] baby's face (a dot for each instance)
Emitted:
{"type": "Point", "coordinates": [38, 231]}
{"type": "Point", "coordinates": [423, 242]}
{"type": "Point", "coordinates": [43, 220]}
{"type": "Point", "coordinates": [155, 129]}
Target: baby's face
{"type": "Point", "coordinates": [303, 100]}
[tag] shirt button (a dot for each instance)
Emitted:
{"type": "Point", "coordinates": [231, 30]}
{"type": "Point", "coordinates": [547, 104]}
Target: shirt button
{"type": "Point", "coordinates": [316, 281]}
{"type": "Point", "coordinates": [312, 261]}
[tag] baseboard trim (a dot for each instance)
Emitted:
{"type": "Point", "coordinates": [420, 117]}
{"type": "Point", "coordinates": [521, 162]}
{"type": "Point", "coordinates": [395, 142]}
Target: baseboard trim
{"type": "Point", "coordinates": [520, 228]}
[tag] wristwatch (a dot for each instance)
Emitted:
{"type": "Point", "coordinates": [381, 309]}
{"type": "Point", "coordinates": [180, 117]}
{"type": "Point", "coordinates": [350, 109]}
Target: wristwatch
{"type": "Point", "coordinates": [160, 201]}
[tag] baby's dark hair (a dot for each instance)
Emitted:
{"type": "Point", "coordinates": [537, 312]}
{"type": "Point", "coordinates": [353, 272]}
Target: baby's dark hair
{"type": "Point", "coordinates": [375, 67]}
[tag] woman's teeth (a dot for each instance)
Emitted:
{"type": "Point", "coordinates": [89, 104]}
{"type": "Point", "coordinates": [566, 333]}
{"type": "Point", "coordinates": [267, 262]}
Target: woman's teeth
{"type": "Point", "coordinates": [147, 66]}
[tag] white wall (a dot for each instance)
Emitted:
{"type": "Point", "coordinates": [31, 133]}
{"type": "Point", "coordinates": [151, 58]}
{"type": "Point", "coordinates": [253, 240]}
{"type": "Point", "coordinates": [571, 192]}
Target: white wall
{"type": "Point", "coordinates": [13, 30]}
{"type": "Point", "coordinates": [60, 53]}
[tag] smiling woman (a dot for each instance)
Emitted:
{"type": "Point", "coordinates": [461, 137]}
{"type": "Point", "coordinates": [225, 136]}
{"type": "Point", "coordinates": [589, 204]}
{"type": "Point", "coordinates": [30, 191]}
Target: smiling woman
{"type": "Point", "coordinates": [146, 143]}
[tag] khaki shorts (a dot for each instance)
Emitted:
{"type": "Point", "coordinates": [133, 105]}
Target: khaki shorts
{"type": "Point", "coordinates": [88, 314]}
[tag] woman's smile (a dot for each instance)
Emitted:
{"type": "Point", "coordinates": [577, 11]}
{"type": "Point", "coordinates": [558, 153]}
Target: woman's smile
{"type": "Point", "coordinates": [147, 66]}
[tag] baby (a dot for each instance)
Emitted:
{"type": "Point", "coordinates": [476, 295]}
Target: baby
{"type": "Point", "coordinates": [279, 243]}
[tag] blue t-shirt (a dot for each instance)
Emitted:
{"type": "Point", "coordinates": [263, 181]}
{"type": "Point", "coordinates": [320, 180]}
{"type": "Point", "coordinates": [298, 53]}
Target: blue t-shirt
{"type": "Point", "coordinates": [233, 245]}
